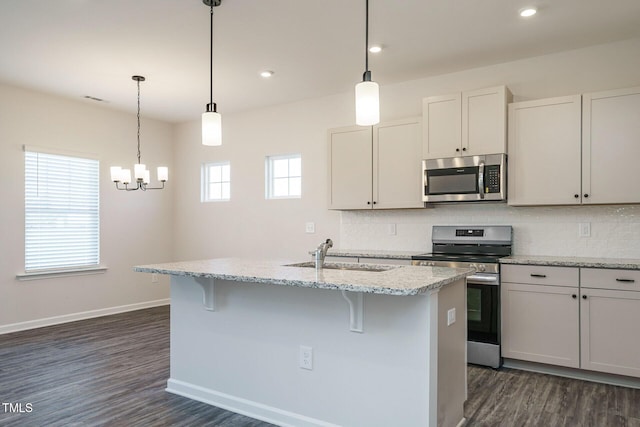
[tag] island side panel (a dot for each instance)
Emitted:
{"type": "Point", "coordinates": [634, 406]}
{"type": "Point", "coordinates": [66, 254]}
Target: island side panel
{"type": "Point", "coordinates": [244, 356]}
{"type": "Point", "coordinates": [452, 354]}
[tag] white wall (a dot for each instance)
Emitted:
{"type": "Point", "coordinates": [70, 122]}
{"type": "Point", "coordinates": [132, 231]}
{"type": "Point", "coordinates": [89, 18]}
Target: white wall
{"type": "Point", "coordinates": [135, 228]}
{"type": "Point", "coordinates": [152, 227]}
{"type": "Point", "coordinates": [248, 224]}
{"type": "Point", "coordinates": [251, 226]}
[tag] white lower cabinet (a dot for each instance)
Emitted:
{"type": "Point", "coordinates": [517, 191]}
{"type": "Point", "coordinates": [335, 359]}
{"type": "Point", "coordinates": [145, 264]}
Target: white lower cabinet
{"type": "Point", "coordinates": [609, 321]}
{"type": "Point", "coordinates": [592, 326]}
{"type": "Point", "coordinates": [540, 324]}
{"type": "Point", "coordinates": [540, 321]}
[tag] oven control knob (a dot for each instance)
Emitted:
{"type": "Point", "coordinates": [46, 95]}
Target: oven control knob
{"type": "Point", "coordinates": [482, 267]}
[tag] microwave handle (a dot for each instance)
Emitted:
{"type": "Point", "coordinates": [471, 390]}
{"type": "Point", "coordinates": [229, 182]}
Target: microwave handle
{"type": "Point", "coordinates": [481, 179]}
{"type": "Point", "coordinates": [425, 181]}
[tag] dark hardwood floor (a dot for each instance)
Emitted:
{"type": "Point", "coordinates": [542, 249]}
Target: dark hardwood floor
{"type": "Point", "coordinates": [112, 371]}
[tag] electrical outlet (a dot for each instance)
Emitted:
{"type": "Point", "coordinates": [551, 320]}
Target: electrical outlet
{"type": "Point", "coordinates": [392, 229]}
{"type": "Point", "coordinates": [451, 316]}
{"type": "Point", "coordinates": [306, 357]}
{"type": "Point", "coordinates": [584, 229]}
{"type": "Point", "coordinates": [310, 227]}
{"type": "Point", "coordinates": [154, 277]}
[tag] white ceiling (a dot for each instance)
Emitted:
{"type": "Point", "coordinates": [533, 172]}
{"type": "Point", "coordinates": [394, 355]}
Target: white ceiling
{"type": "Point", "coordinates": [93, 47]}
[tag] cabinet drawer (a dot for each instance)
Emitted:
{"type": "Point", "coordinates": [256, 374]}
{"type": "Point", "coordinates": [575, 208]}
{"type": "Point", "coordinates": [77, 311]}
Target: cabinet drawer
{"type": "Point", "coordinates": [540, 275]}
{"type": "Point", "coordinates": [599, 278]}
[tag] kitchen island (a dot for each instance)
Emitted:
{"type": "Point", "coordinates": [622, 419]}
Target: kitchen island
{"type": "Point", "coordinates": [348, 345]}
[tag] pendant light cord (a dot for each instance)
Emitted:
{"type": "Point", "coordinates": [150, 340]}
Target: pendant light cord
{"type": "Point", "coordinates": [139, 122]}
{"type": "Point", "coordinates": [366, 37]}
{"type": "Point", "coordinates": [211, 56]}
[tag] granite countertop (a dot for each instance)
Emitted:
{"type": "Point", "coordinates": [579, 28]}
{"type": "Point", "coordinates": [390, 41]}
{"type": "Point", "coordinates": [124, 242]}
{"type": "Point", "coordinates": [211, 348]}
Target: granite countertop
{"type": "Point", "coordinates": [363, 253]}
{"type": "Point", "coordinates": [558, 261]}
{"type": "Point", "coordinates": [394, 280]}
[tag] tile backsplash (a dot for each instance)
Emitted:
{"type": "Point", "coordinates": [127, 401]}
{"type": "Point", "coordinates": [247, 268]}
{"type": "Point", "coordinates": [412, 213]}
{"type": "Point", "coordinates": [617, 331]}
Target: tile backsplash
{"type": "Point", "coordinates": [548, 230]}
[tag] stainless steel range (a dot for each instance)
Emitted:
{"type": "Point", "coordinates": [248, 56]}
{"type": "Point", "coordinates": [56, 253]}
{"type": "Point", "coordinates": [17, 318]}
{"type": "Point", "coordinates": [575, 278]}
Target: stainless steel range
{"type": "Point", "coordinates": [479, 247]}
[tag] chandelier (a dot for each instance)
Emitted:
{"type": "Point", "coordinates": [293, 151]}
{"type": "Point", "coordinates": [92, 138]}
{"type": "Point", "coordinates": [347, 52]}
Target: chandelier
{"type": "Point", "coordinates": [141, 173]}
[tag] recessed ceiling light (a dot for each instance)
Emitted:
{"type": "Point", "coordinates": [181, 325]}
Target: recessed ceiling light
{"type": "Point", "coordinates": [527, 12]}
{"type": "Point", "coordinates": [266, 74]}
{"type": "Point", "coordinates": [375, 49]}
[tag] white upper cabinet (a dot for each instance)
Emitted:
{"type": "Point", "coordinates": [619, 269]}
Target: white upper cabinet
{"type": "Point", "coordinates": [465, 124]}
{"type": "Point", "coordinates": [397, 164]}
{"type": "Point", "coordinates": [574, 150]}
{"type": "Point", "coordinates": [544, 152]}
{"type": "Point", "coordinates": [376, 167]}
{"type": "Point", "coordinates": [350, 167]}
{"type": "Point", "coordinates": [611, 146]}
{"type": "Point", "coordinates": [484, 120]}
{"type": "Point", "coordinates": [442, 131]}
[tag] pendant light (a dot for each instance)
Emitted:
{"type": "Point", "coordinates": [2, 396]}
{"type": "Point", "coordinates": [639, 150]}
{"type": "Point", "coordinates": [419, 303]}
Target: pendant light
{"type": "Point", "coordinates": [141, 174]}
{"type": "Point", "coordinates": [211, 119]}
{"type": "Point", "coordinates": [367, 91]}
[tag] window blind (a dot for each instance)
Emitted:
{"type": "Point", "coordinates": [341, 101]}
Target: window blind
{"type": "Point", "coordinates": [62, 218]}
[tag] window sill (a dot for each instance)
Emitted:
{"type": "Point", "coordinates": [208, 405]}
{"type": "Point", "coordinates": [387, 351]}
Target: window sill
{"type": "Point", "coordinates": [49, 274]}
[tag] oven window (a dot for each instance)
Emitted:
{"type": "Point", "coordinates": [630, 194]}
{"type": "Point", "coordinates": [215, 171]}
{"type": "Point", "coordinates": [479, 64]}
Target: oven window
{"type": "Point", "coordinates": [453, 181]}
{"type": "Point", "coordinates": [474, 305]}
{"type": "Point", "coordinates": [482, 313]}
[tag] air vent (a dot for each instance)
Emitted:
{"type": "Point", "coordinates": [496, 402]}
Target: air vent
{"type": "Point", "coordinates": [93, 98]}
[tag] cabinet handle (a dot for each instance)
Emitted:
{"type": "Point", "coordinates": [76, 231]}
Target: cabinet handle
{"type": "Point", "coordinates": [538, 275]}
{"type": "Point", "coordinates": [626, 280]}
{"type": "Point", "coordinates": [576, 196]}
{"type": "Point", "coordinates": [464, 149]}
{"type": "Point", "coordinates": [368, 203]}
{"type": "Point", "coordinates": [457, 149]}
{"type": "Point", "coordinates": [375, 203]}
{"type": "Point", "coordinates": [584, 297]}
{"type": "Point", "coordinates": [574, 296]}
{"type": "Point", "coordinates": [586, 195]}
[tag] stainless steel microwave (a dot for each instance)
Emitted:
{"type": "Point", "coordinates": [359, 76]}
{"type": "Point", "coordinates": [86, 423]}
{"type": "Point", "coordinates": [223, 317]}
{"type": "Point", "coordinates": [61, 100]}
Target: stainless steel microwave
{"type": "Point", "coordinates": [465, 179]}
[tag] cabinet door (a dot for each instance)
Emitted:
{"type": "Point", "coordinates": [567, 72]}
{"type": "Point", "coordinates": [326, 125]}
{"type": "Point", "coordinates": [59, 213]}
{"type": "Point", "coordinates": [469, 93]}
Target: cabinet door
{"type": "Point", "coordinates": [442, 126]}
{"type": "Point", "coordinates": [350, 168]}
{"type": "Point", "coordinates": [484, 121]}
{"type": "Point", "coordinates": [609, 327]}
{"type": "Point", "coordinates": [544, 152]}
{"type": "Point", "coordinates": [611, 146]}
{"type": "Point", "coordinates": [540, 324]}
{"type": "Point", "coordinates": [397, 164]}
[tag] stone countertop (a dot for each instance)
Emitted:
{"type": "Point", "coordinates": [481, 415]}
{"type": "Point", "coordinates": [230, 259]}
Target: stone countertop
{"type": "Point", "coordinates": [363, 253]}
{"type": "Point", "coordinates": [558, 261]}
{"type": "Point", "coordinates": [394, 280]}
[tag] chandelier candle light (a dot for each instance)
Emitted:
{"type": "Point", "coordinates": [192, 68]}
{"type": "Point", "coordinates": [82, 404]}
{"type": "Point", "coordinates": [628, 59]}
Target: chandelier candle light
{"type": "Point", "coordinates": [367, 91]}
{"type": "Point", "coordinates": [211, 119]}
{"type": "Point", "coordinates": [141, 174]}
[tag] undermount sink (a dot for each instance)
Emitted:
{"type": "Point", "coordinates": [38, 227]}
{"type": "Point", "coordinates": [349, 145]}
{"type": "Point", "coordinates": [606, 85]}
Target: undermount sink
{"type": "Point", "coordinates": [344, 266]}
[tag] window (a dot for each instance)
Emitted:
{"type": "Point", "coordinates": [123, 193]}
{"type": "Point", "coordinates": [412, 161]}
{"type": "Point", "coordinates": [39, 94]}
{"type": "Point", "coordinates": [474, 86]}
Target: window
{"type": "Point", "coordinates": [62, 216]}
{"type": "Point", "coordinates": [216, 182]}
{"type": "Point", "coordinates": [284, 177]}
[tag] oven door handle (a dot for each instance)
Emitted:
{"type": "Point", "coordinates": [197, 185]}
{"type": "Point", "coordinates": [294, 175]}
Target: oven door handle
{"type": "Point", "coordinates": [482, 280]}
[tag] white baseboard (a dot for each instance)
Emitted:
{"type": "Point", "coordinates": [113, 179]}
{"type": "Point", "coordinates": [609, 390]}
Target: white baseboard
{"type": "Point", "coordinates": [578, 374]}
{"type": "Point", "coordinates": [56, 320]}
{"type": "Point", "coordinates": [243, 406]}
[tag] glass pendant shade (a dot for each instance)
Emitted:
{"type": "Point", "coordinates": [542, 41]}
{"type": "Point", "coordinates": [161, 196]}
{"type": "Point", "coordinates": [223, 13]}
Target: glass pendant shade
{"type": "Point", "coordinates": [163, 173]}
{"type": "Point", "coordinates": [211, 128]}
{"type": "Point", "coordinates": [367, 103]}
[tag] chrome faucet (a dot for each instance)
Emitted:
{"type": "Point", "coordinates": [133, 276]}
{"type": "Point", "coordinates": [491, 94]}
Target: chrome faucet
{"type": "Point", "coordinates": [321, 252]}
